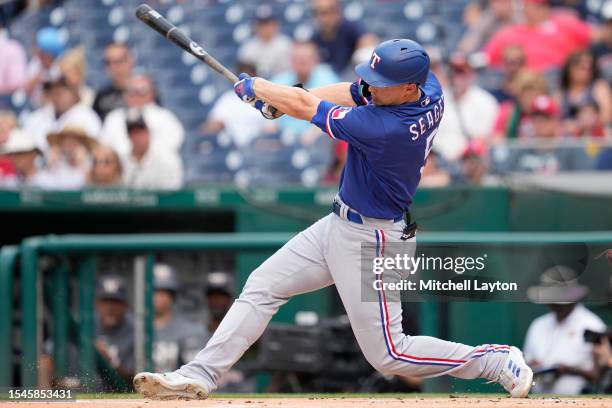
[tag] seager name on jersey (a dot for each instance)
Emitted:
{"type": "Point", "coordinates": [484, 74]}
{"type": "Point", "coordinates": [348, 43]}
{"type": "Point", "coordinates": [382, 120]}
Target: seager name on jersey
{"type": "Point", "coordinates": [427, 121]}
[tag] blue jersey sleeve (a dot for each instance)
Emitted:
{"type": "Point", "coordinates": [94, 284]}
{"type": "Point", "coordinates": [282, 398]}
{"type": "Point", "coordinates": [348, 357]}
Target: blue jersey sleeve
{"type": "Point", "coordinates": [359, 126]}
{"type": "Point", "coordinates": [359, 93]}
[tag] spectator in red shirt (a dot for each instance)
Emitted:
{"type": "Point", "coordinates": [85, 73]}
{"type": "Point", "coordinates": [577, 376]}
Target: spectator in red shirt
{"type": "Point", "coordinates": [547, 38]}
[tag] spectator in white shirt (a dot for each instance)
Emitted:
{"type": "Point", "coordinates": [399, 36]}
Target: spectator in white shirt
{"type": "Point", "coordinates": [64, 109]}
{"type": "Point", "coordinates": [149, 166]}
{"type": "Point", "coordinates": [269, 49]}
{"type": "Point", "coordinates": [68, 159]}
{"type": "Point", "coordinates": [555, 345]}
{"type": "Point", "coordinates": [239, 120]}
{"type": "Point", "coordinates": [469, 112]}
{"type": "Point", "coordinates": [166, 130]}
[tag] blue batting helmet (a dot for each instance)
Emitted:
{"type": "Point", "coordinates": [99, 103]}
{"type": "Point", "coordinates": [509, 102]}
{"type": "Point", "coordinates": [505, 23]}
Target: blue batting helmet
{"type": "Point", "coordinates": [395, 62]}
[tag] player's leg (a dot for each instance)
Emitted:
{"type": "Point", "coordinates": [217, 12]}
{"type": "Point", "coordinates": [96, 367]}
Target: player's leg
{"type": "Point", "coordinates": [376, 321]}
{"type": "Point", "coordinates": [298, 267]}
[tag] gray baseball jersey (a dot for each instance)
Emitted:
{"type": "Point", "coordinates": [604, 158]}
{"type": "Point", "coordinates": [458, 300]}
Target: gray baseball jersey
{"type": "Point", "coordinates": [119, 342]}
{"type": "Point", "coordinates": [177, 343]}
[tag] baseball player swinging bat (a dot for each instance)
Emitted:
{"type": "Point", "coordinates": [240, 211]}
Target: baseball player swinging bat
{"type": "Point", "coordinates": [390, 132]}
{"type": "Point", "coordinates": [159, 23]}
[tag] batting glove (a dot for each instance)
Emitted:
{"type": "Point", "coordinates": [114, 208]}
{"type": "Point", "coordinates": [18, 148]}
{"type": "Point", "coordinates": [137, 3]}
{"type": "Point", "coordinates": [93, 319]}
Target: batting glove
{"type": "Point", "coordinates": [244, 88]}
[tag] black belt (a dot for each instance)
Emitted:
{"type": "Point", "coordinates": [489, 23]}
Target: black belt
{"type": "Point", "coordinates": [354, 216]}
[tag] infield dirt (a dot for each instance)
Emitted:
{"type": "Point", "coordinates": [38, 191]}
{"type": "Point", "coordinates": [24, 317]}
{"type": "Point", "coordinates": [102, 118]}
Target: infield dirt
{"type": "Point", "coordinates": [317, 402]}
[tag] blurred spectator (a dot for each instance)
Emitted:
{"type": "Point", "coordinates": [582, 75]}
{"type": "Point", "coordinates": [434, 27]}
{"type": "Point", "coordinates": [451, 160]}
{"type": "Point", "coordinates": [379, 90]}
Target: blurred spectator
{"type": "Point", "coordinates": [8, 126]}
{"type": "Point", "coordinates": [437, 64]}
{"type": "Point", "coordinates": [513, 120]}
{"type": "Point", "coordinates": [338, 39]}
{"type": "Point", "coordinates": [603, 356]}
{"type": "Point", "coordinates": [23, 154]}
{"type": "Point", "coordinates": [119, 64]}
{"type": "Point", "coordinates": [307, 70]}
{"type": "Point", "coordinates": [106, 168]}
{"type": "Point", "coordinates": [469, 112]}
{"type": "Point", "coordinates": [269, 49]}
{"type": "Point", "coordinates": [73, 67]}
{"type": "Point", "coordinates": [149, 166]}
{"type": "Point", "coordinates": [167, 133]}
{"type": "Point", "coordinates": [177, 340]}
{"type": "Point", "coordinates": [545, 152]}
{"type": "Point", "coordinates": [554, 345]}
{"type": "Point", "coordinates": [115, 326]}
{"type": "Point", "coordinates": [587, 123]}
{"type": "Point", "coordinates": [434, 175]}
{"type": "Point", "coordinates": [547, 37]}
{"type": "Point", "coordinates": [474, 164]}
{"type": "Point", "coordinates": [581, 87]}
{"type": "Point", "coordinates": [49, 46]}
{"type": "Point", "coordinates": [602, 50]}
{"type": "Point", "coordinates": [513, 61]}
{"type": "Point", "coordinates": [546, 118]}
{"type": "Point", "coordinates": [13, 63]}
{"type": "Point", "coordinates": [334, 171]}
{"type": "Point", "coordinates": [220, 292]}
{"type": "Point", "coordinates": [239, 120]}
{"type": "Point", "coordinates": [483, 22]}
{"type": "Point", "coordinates": [64, 109]}
{"type": "Point", "coordinates": [68, 159]}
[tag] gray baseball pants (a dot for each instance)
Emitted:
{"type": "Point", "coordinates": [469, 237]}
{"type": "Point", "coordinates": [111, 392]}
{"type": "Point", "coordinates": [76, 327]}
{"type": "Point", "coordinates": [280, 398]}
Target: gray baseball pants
{"type": "Point", "coordinates": [326, 253]}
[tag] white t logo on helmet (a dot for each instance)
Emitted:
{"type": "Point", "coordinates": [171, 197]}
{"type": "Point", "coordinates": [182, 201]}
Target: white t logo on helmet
{"type": "Point", "coordinates": [375, 60]}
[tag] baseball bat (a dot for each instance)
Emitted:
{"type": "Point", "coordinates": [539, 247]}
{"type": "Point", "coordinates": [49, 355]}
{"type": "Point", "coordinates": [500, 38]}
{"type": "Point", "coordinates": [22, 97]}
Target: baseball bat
{"type": "Point", "coordinates": [159, 23]}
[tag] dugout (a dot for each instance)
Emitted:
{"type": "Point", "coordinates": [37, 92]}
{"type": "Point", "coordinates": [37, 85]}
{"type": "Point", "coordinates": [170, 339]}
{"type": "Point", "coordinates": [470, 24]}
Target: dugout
{"type": "Point", "coordinates": [207, 210]}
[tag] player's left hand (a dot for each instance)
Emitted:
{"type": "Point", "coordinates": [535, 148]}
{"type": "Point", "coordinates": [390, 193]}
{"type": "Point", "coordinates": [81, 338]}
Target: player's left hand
{"type": "Point", "coordinates": [244, 88]}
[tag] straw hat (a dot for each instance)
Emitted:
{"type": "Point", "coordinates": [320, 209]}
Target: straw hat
{"type": "Point", "coordinates": [72, 131]}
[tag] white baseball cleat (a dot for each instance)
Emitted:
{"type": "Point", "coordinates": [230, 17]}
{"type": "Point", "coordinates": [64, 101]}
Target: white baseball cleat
{"type": "Point", "coordinates": [169, 386]}
{"type": "Point", "coordinates": [516, 376]}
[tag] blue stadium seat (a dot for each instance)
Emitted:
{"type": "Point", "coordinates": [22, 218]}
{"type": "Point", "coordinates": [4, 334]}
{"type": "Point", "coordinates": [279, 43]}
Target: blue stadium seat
{"type": "Point", "coordinates": [205, 160]}
{"type": "Point", "coordinates": [94, 23]}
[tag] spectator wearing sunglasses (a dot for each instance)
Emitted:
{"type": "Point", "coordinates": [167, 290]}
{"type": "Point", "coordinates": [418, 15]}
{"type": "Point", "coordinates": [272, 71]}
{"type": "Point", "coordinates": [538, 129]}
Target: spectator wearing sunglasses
{"type": "Point", "coordinates": [119, 64]}
{"type": "Point", "coordinates": [166, 130]}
